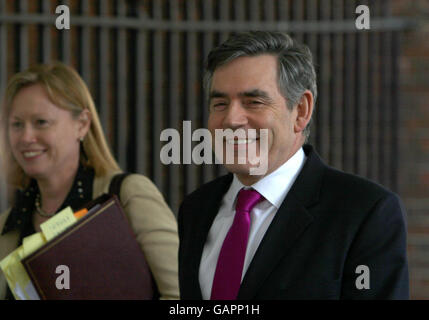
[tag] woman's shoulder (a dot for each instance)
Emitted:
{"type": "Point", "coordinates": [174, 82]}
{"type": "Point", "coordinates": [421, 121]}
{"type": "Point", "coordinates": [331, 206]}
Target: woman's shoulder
{"type": "Point", "coordinates": [3, 217]}
{"type": "Point", "coordinates": [132, 184]}
{"type": "Point", "coordinates": [138, 185]}
{"type": "Point", "coordinates": [9, 240]}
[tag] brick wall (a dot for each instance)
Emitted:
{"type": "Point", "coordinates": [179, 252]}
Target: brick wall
{"type": "Point", "coordinates": [414, 140]}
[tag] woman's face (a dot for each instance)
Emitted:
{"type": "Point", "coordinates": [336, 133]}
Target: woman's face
{"type": "Point", "coordinates": [43, 137]}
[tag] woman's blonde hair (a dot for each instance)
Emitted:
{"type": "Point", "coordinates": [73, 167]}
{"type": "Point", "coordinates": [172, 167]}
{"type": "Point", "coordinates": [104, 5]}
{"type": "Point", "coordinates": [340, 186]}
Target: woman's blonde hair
{"type": "Point", "coordinates": [68, 91]}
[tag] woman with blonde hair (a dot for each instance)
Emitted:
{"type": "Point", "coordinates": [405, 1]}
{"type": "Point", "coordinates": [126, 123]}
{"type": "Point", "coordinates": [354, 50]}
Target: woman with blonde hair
{"type": "Point", "coordinates": [55, 155]}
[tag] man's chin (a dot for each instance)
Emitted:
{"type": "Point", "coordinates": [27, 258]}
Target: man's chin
{"type": "Point", "coordinates": [241, 169]}
{"type": "Point", "coordinates": [246, 172]}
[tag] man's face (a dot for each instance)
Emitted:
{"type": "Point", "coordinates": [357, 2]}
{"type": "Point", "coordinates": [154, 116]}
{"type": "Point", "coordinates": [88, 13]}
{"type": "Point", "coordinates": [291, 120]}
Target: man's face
{"type": "Point", "coordinates": [244, 94]}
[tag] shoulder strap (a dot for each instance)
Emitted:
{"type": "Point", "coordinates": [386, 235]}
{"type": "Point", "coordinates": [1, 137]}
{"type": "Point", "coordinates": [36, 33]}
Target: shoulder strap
{"type": "Point", "coordinates": [115, 183]}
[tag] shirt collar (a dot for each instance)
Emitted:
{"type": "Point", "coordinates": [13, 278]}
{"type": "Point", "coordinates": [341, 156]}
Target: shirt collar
{"type": "Point", "coordinates": [20, 217]}
{"type": "Point", "coordinates": [273, 187]}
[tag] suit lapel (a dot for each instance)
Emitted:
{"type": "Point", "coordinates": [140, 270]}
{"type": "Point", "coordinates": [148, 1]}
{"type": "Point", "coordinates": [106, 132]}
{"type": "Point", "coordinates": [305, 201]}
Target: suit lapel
{"type": "Point", "coordinates": [207, 209]}
{"type": "Point", "coordinates": [289, 223]}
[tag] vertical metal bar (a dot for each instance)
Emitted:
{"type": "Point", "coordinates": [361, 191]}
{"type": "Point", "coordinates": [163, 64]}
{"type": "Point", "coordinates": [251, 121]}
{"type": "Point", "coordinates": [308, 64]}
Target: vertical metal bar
{"type": "Point", "coordinates": [142, 100]}
{"type": "Point", "coordinates": [142, 107]}
{"type": "Point", "coordinates": [385, 104]}
{"type": "Point", "coordinates": [13, 40]}
{"type": "Point", "coordinates": [224, 16]}
{"type": "Point", "coordinates": [269, 13]}
{"type": "Point", "coordinates": [254, 10]}
{"type": "Point", "coordinates": [209, 170]}
{"type": "Point", "coordinates": [3, 50]}
{"type": "Point", "coordinates": [284, 12]}
{"type": "Point", "coordinates": [23, 38]}
{"type": "Point", "coordinates": [46, 34]}
{"type": "Point", "coordinates": [172, 191]}
{"type": "Point", "coordinates": [122, 82]}
{"type": "Point", "coordinates": [239, 10]}
{"type": "Point", "coordinates": [391, 91]}
{"type": "Point", "coordinates": [104, 54]}
{"type": "Point", "coordinates": [372, 106]}
{"type": "Point", "coordinates": [323, 133]}
{"type": "Point", "coordinates": [311, 40]}
{"type": "Point", "coordinates": [191, 96]}
{"type": "Point", "coordinates": [337, 90]}
{"type": "Point", "coordinates": [85, 50]}
{"type": "Point", "coordinates": [66, 40]}
{"type": "Point", "coordinates": [298, 16]}
{"type": "Point", "coordinates": [394, 172]}
{"type": "Point", "coordinates": [349, 97]}
{"type": "Point", "coordinates": [33, 40]}
{"type": "Point", "coordinates": [158, 114]}
{"type": "Point", "coordinates": [374, 99]}
{"type": "Point", "coordinates": [3, 80]}
{"type": "Point", "coordinates": [361, 123]}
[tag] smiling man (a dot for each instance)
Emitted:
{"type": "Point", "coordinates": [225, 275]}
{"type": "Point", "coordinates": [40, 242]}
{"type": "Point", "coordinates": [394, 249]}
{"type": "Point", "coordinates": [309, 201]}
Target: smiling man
{"type": "Point", "coordinates": [244, 95]}
{"type": "Point", "coordinates": [299, 230]}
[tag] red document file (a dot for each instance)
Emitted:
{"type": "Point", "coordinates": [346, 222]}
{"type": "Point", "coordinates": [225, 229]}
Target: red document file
{"type": "Point", "coordinates": [98, 254]}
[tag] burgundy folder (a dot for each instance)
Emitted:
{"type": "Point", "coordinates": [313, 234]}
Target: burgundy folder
{"type": "Point", "coordinates": [103, 258]}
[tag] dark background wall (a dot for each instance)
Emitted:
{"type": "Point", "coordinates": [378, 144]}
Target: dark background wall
{"type": "Point", "coordinates": [413, 169]}
{"type": "Point", "coordinates": [143, 61]}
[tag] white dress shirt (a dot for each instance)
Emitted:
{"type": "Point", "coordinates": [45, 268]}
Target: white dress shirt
{"type": "Point", "coordinates": [274, 187]}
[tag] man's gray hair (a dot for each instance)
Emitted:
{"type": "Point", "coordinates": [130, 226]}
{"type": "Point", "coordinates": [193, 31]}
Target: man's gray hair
{"type": "Point", "coordinates": [296, 71]}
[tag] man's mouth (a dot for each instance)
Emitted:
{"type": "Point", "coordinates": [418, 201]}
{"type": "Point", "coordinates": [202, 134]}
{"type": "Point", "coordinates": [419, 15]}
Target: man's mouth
{"type": "Point", "coordinates": [240, 141]}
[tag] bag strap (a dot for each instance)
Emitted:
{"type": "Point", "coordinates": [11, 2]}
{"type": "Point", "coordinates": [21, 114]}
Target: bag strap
{"type": "Point", "coordinates": [115, 183]}
{"type": "Point", "coordinates": [115, 188]}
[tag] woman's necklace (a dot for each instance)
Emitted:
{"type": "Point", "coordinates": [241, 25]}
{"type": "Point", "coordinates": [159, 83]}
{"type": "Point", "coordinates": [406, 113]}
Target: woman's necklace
{"type": "Point", "coordinates": [39, 209]}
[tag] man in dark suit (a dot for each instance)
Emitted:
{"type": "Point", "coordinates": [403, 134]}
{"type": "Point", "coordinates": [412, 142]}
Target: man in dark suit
{"type": "Point", "coordinates": [300, 230]}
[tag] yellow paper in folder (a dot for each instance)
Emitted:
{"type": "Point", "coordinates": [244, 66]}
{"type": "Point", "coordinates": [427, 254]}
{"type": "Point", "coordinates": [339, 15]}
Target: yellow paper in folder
{"type": "Point", "coordinates": [32, 243]}
{"type": "Point", "coordinates": [58, 223]}
{"type": "Point", "coordinates": [15, 273]}
{"type": "Point", "coordinates": [17, 278]}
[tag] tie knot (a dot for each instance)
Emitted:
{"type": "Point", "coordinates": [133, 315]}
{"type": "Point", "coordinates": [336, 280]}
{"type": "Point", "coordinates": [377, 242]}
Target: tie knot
{"type": "Point", "coordinates": [247, 199]}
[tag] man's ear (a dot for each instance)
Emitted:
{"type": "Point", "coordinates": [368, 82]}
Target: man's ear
{"type": "Point", "coordinates": [304, 111]}
{"type": "Point", "coordinates": [84, 122]}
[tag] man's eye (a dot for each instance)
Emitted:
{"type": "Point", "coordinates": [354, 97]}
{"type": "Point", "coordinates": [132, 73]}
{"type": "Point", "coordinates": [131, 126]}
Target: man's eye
{"type": "Point", "coordinates": [254, 102]}
{"type": "Point", "coordinates": [219, 105]}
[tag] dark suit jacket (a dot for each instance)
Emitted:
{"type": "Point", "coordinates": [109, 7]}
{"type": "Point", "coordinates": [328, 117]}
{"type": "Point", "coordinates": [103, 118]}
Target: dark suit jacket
{"type": "Point", "coordinates": [329, 224]}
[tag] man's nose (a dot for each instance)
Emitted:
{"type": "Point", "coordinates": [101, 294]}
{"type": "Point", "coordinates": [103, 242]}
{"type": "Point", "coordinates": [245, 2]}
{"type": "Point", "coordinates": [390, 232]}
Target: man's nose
{"type": "Point", "coordinates": [236, 116]}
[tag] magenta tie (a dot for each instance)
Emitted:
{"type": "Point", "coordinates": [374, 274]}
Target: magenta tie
{"type": "Point", "coordinates": [227, 278]}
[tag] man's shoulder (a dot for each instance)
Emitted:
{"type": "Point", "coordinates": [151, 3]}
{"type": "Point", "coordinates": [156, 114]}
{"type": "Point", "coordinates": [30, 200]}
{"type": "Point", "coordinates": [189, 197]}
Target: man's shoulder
{"type": "Point", "coordinates": [341, 179]}
{"type": "Point", "coordinates": [206, 190]}
{"type": "Point", "coordinates": [356, 190]}
{"type": "Point", "coordinates": [329, 183]}
{"type": "Point", "coordinates": [203, 199]}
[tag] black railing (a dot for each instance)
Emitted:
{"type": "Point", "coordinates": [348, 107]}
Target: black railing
{"type": "Point", "coordinates": [143, 61]}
